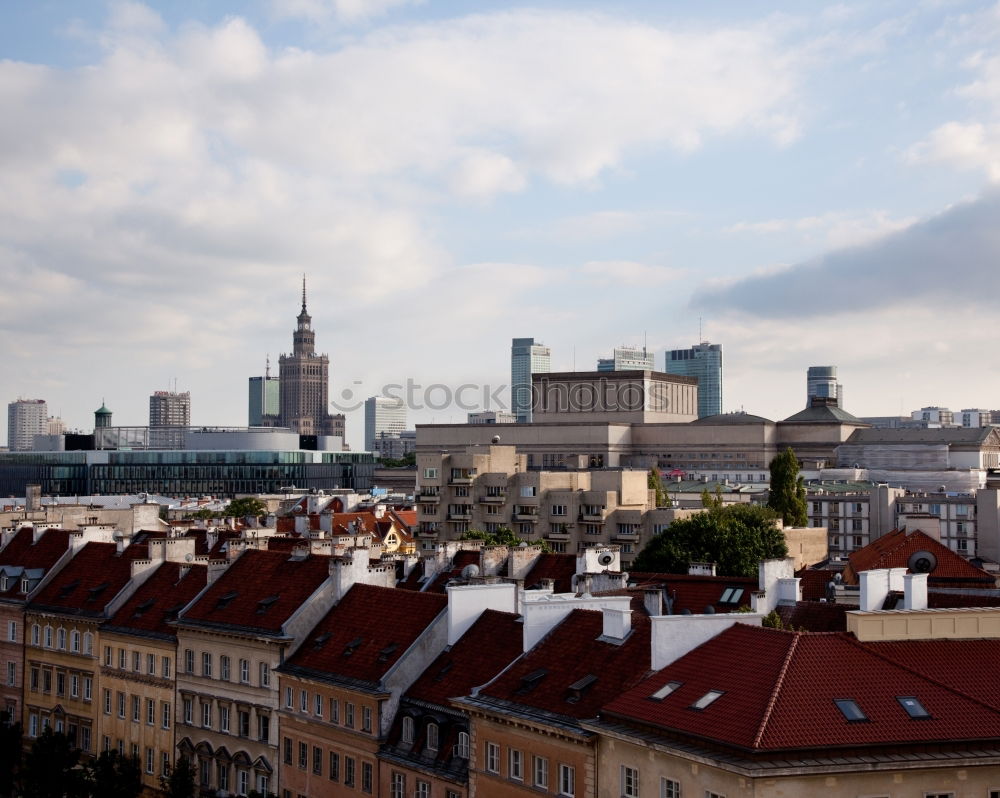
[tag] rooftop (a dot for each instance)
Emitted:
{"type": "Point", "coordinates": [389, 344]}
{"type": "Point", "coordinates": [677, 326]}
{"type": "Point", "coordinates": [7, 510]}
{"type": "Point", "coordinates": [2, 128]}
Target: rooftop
{"type": "Point", "coordinates": [94, 576]}
{"type": "Point", "coordinates": [160, 598]}
{"type": "Point", "coordinates": [897, 549]}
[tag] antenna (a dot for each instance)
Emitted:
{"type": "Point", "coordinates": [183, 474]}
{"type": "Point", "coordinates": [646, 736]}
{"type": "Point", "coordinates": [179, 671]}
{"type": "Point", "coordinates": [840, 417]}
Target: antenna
{"type": "Point", "coordinates": [574, 357]}
{"type": "Point", "coordinates": [303, 291]}
{"type": "Point", "coordinates": [267, 367]}
{"type": "Point", "coordinates": [699, 330]}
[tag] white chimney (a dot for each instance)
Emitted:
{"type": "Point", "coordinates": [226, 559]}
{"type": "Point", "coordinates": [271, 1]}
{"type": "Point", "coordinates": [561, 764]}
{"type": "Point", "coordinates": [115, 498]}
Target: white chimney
{"type": "Point", "coordinates": [915, 591]}
{"type": "Point", "coordinates": [617, 623]}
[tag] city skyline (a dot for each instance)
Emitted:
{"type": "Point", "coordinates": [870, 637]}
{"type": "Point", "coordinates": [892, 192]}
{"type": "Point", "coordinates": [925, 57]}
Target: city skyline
{"type": "Point", "coordinates": [801, 184]}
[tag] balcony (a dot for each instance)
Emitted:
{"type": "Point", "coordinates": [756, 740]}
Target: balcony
{"type": "Point", "coordinates": [626, 535]}
{"type": "Point", "coordinates": [500, 499]}
{"type": "Point", "coordinates": [562, 534]}
{"type": "Point", "coordinates": [591, 517]}
{"type": "Point", "coordinates": [460, 515]}
{"type": "Point", "coordinates": [428, 498]}
{"type": "Point", "coordinates": [460, 478]}
{"type": "Point", "coordinates": [532, 517]}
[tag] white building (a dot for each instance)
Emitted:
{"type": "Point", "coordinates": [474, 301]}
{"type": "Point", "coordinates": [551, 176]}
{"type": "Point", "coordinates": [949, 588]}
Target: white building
{"type": "Point", "coordinates": [627, 358]}
{"type": "Point", "coordinates": [383, 414]}
{"type": "Point", "coordinates": [26, 418]}
{"type": "Point", "coordinates": [492, 417]}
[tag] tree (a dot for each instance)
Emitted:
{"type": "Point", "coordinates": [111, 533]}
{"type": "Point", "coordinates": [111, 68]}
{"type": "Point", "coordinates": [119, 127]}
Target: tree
{"type": "Point", "coordinates": [788, 491]}
{"type": "Point", "coordinates": [735, 537]}
{"type": "Point", "coordinates": [11, 753]}
{"type": "Point", "coordinates": [180, 782]}
{"type": "Point", "coordinates": [112, 775]}
{"type": "Point", "coordinates": [50, 768]}
{"type": "Point", "coordinates": [503, 537]}
{"type": "Point", "coordinates": [655, 483]}
{"type": "Point", "coordinates": [203, 514]}
{"type": "Point", "coordinates": [247, 506]}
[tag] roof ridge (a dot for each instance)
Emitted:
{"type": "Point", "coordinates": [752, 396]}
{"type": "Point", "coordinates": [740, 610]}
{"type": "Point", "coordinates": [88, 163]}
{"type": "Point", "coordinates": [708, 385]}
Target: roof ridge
{"type": "Point", "coordinates": [777, 689]}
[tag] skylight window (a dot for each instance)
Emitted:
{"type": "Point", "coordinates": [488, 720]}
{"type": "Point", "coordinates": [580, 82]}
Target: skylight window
{"type": "Point", "coordinates": [731, 595]}
{"type": "Point", "coordinates": [666, 690]}
{"type": "Point", "coordinates": [850, 710]}
{"type": "Point", "coordinates": [707, 700]}
{"type": "Point", "coordinates": [913, 707]}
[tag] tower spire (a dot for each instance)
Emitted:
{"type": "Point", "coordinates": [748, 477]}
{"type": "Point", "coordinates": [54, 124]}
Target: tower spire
{"type": "Point", "coordinates": [303, 292]}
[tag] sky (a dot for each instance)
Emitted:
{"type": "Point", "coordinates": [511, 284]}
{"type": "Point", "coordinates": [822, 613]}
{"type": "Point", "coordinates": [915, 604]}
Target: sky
{"type": "Point", "coordinates": [804, 183]}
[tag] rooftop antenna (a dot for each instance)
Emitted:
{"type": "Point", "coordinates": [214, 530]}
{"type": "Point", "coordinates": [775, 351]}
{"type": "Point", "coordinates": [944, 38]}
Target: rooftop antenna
{"type": "Point", "coordinates": [303, 291]}
{"type": "Point", "coordinates": [574, 357]}
{"type": "Point", "coordinates": [699, 330]}
{"type": "Point", "coordinates": [267, 367]}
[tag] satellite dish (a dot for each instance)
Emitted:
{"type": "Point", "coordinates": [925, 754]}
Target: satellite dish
{"type": "Point", "coordinates": [495, 439]}
{"type": "Point", "coordinates": [606, 559]}
{"type": "Point", "coordinates": [469, 571]}
{"type": "Point", "coordinates": [188, 557]}
{"type": "Point", "coordinates": [922, 562]}
{"type": "Point", "coordinates": [709, 609]}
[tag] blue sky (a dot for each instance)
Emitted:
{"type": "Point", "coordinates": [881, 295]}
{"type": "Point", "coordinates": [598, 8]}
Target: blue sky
{"type": "Point", "coordinates": [812, 182]}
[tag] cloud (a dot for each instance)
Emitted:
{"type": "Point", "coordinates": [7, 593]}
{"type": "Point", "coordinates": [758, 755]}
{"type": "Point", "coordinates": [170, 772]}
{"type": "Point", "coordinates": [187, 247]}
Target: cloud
{"type": "Point", "coordinates": [340, 10]}
{"type": "Point", "coordinates": [944, 259]}
{"type": "Point", "coordinates": [973, 146]}
{"type": "Point", "coordinates": [832, 229]}
{"type": "Point", "coordinates": [623, 272]}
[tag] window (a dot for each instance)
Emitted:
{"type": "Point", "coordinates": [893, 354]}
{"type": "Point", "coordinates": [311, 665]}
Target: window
{"type": "Point", "coordinates": [149, 760]}
{"type": "Point", "coordinates": [264, 728]}
{"type": "Point", "coordinates": [540, 772]}
{"type": "Point", "coordinates": [150, 712]}
{"type": "Point", "coordinates": [224, 672]}
{"type": "Point", "coordinates": [243, 719]}
{"type": "Point", "coordinates": [666, 690]}
{"type": "Point", "coordinates": [558, 509]}
{"type": "Point", "coordinates": [165, 764]}
{"type": "Point", "coordinates": [121, 705]}
{"type": "Point", "coordinates": [334, 766]}
{"type": "Point", "coordinates": [245, 671]}
{"type": "Point", "coordinates": [407, 731]}
{"type": "Point", "coordinates": [567, 781]}
{"type": "Point", "coordinates": [74, 641]}
{"type": "Point", "coordinates": [492, 758]}
{"type": "Point", "coordinates": [48, 637]}
{"type": "Point", "coordinates": [36, 635]}
{"type": "Point", "coordinates": [107, 701]}
{"type": "Point", "coordinates": [85, 738]}
{"type": "Point", "coordinates": [850, 710]}
{"type": "Point", "coordinates": [430, 473]}
{"type": "Point", "coordinates": [432, 737]}
{"type": "Point", "coordinates": [349, 715]}
{"type": "Point", "coordinates": [630, 782]}
{"type": "Point", "coordinates": [318, 705]}
{"type": "Point", "coordinates": [166, 667]}
{"type": "Point", "coordinates": [224, 718]}
{"type": "Point", "coordinates": [188, 660]}
{"type": "Point", "coordinates": [74, 685]}
{"type": "Point", "coordinates": [223, 777]}
{"type": "Point", "coordinates": [265, 675]}
{"type": "Point", "coordinates": [397, 786]}
{"type": "Point", "coordinates": [303, 701]}
{"type": "Point", "coordinates": [12, 674]}
{"type": "Point", "coordinates": [165, 715]}
{"type": "Point", "coordinates": [515, 765]}
{"type": "Point", "coordinates": [151, 664]}
{"type": "Point", "coordinates": [34, 679]}
{"type": "Point", "coordinates": [206, 715]}
{"type": "Point", "coordinates": [913, 707]}
{"type": "Point", "coordinates": [317, 760]}
{"type": "Point", "coordinates": [349, 771]}
{"type": "Point", "coordinates": [33, 725]}
{"type": "Point", "coordinates": [136, 661]}
{"type": "Point", "coordinates": [108, 656]}
{"type": "Point", "coordinates": [206, 665]}
{"type": "Point", "coordinates": [706, 700]}
{"type": "Point", "coordinates": [242, 781]}
{"type": "Point", "coordinates": [286, 749]}
{"type": "Point", "coordinates": [669, 788]}
{"type": "Point", "coordinates": [61, 639]}
{"type": "Point", "coordinates": [88, 688]}
{"type": "Point", "coordinates": [12, 631]}
{"type": "Point", "coordinates": [423, 789]}
{"type": "Point", "coordinates": [303, 756]}
{"type": "Point", "coordinates": [366, 720]}
{"type": "Point", "coordinates": [462, 746]}
{"type": "Point", "coordinates": [334, 711]}
{"type": "Point", "coordinates": [710, 794]}
{"type": "Point", "coordinates": [188, 710]}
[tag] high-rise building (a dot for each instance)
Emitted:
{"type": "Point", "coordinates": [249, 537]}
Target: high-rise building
{"type": "Point", "coordinates": [526, 358]}
{"type": "Point", "coordinates": [264, 397]}
{"type": "Point", "coordinates": [703, 361]}
{"type": "Point", "coordinates": [305, 383]}
{"type": "Point", "coordinates": [169, 417]}
{"type": "Point", "coordinates": [26, 418]}
{"type": "Point", "coordinates": [627, 358]}
{"type": "Point", "coordinates": [383, 416]}
{"type": "Point", "coordinates": [822, 381]}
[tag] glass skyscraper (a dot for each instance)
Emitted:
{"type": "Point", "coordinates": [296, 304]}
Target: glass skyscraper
{"type": "Point", "coordinates": [526, 358]}
{"type": "Point", "coordinates": [703, 361]}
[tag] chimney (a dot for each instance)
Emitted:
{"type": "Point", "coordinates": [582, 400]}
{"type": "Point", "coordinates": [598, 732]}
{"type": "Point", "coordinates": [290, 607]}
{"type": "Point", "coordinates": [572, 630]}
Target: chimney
{"type": "Point", "coordinates": [617, 623]}
{"type": "Point", "coordinates": [653, 601]}
{"type": "Point", "coordinates": [584, 583]}
{"type": "Point", "coordinates": [915, 591]}
{"type": "Point", "coordinates": [701, 569]}
{"type": "Point", "coordinates": [875, 587]}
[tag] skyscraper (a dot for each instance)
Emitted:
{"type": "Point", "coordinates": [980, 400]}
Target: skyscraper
{"type": "Point", "coordinates": [703, 361]}
{"type": "Point", "coordinates": [383, 415]}
{"type": "Point", "coordinates": [627, 358]}
{"type": "Point", "coordinates": [26, 418]}
{"type": "Point", "coordinates": [305, 383]}
{"type": "Point", "coordinates": [822, 381]}
{"type": "Point", "coordinates": [169, 417]}
{"type": "Point", "coordinates": [526, 358]}
{"type": "Point", "coordinates": [264, 397]}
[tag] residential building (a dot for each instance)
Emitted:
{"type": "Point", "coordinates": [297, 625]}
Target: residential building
{"type": "Point", "coordinates": [169, 417]}
{"type": "Point", "coordinates": [492, 417]}
{"type": "Point", "coordinates": [304, 375]}
{"type": "Point", "coordinates": [974, 417]}
{"type": "Point", "coordinates": [704, 362]}
{"type": "Point", "coordinates": [639, 397]}
{"type": "Point", "coordinates": [26, 418]}
{"type": "Point", "coordinates": [383, 414]}
{"type": "Point", "coordinates": [394, 445]}
{"type": "Point", "coordinates": [138, 649]}
{"type": "Point", "coordinates": [229, 641]}
{"type": "Point", "coordinates": [341, 689]}
{"type": "Point", "coordinates": [263, 397]}
{"type": "Point", "coordinates": [821, 381]}
{"type": "Point", "coordinates": [938, 416]}
{"type": "Point", "coordinates": [526, 358]}
{"type": "Point", "coordinates": [628, 358]}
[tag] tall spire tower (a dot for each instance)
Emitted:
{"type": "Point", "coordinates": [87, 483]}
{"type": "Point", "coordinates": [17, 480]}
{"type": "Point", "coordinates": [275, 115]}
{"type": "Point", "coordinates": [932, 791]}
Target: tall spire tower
{"type": "Point", "coordinates": [304, 339]}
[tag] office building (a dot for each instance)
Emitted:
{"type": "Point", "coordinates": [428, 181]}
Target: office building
{"type": "Point", "coordinates": [169, 415]}
{"type": "Point", "coordinates": [492, 417]}
{"type": "Point", "coordinates": [264, 398]}
{"type": "Point", "coordinates": [383, 415]}
{"type": "Point", "coordinates": [305, 383]}
{"type": "Point", "coordinates": [627, 358]}
{"type": "Point", "coordinates": [703, 361]}
{"type": "Point", "coordinates": [526, 358]}
{"type": "Point", "coordinates": [822, 381]}
{"type": "Point", "coordinates": [26, 418]}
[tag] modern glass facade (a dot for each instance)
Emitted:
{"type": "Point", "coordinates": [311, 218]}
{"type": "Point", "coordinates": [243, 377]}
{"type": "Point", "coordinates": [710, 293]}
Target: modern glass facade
{"type": "Point", "coordinates": [526, 358]}
{"type": "Point", "coordinates": [703, 361]}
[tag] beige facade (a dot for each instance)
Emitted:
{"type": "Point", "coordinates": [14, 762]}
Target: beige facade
{"type": "Point", "coordinates": [625, 396]}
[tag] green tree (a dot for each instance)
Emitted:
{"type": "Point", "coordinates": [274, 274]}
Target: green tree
{"type": "Point", "coordinates": [112, 775]}
{"type": "Point", "coordinates": [50, 768]}
{"type": "Point", "coordinates": [735, 537]}
{"type": "Point", "coordinates": [180, 782]}
{"type": "Point", "coordinates": [11, 753]}
{"type": "Point", "coordinates": [247, 506]}
{"type": "Point", "coordinates": [787, 495]}
{"type": "Point", "coordinates": [204, 514]}
{"type": "Point", "coordinates": [655, 483]}
{"type": "Point", "coordinates": [504, 536]}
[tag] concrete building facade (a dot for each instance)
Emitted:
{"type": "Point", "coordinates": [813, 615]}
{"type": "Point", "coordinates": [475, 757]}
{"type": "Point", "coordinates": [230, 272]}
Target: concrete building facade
{"type": "Point", "coordinates": [26, 418]}
{"type": "Point", "coordinates": [169, 417]}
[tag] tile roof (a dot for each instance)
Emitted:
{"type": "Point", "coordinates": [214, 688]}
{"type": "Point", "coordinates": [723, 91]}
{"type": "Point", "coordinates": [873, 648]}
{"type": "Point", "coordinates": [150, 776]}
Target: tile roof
{"type": "Point", "coordinates": [365, 634]}
{"type": "Point", "coordinates": [557, 675]}
{"type": "Point", "coordinates": [485, 649]}
{"type": "Point", "coordinates": [21, 551]}
{"type": "Point", "coordinates": [559, 567]}
{"type": "Point", "coordinates": [412, 581]}
{"type": "Point", "coordinates": [814, 616]}
{"type": "Point", "coordinates": [693, 593]}
{"type": "Point", "coordinates": [260, 591]}
{"type": "Point", "coordinates": [160, 598]}
{"type": "Point", "coordinates": [786, 700]}
{"type": "Point", "coordinates": [894, 550]}
{"type": "Point", "coordinates": [814, 582]}
{"type": "Point", "coordinates": [94, 576]}
{"type": "Point", "coordinates": [459, 561]}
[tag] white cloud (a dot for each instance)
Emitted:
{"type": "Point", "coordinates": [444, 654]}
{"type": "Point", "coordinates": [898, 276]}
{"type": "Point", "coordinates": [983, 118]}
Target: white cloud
{"type": "Point", "coordinates": [972, 145]}
{"type": "Point", "coordinates": [832, 229]}
{"type": "Point", "coordinates": [629, 273]}
{"type": "Point", "coordinates": [341, 10]}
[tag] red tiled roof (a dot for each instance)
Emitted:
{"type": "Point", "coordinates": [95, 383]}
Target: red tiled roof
{"type": "Point", "coordinates": [569, 655]}
{"type": "Point", "coordinates": [895, 549]}
{"type": "Point", "coordinates": [161, 597]}
{"type": "Point", "coordinates": [259, 591]}
{"type": "Point", "coordinates": [937, 599]}
{"type": "Point", "coordinates": [814, 616]}
{"type": "Point", "coordinates": [786, 700]}
{"type": "Point", "coordinates": [90, 580]}
{"type": "Point", "coordinates": [412, 582]}
{"type": "Point", "coordinates": [364, 635]}
{"type": "Point", "coordinates": [286, 544]}
{"type": "Point", "coordinates": [694, 592]}
{"type": "Point", "coordinates": [814, 582]}
{"type": "Point", "coordinates": [559, 567]}
{"type": "Point", "coordinates": [23, 552]}
{"type": "Point", "coordinates": [485, 649]}
{"type": "Point", "coordinates": [459, 561]}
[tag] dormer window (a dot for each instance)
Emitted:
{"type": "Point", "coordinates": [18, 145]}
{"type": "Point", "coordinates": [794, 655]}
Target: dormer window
{"type": "Point", "coordinates": [432, 737]}
{"type": "Point", "coordinates": [407, 732]}
{"type": "Point", "coordinates": [24, 585]}
{"type": "Point", "coordinates": [3, 583]}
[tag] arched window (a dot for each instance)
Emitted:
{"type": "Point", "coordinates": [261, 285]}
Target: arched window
{"type": "Point", "coordinates": [48, 637]}
{"type": "Point", "coordinates": [36, 634]}
{"type": "Point", "coordinates": [407, 729]}
{"type": "Point", "coordinates": [88, 644]}
{"type": "Point", "coordinates": [432, 737]}
{"type": "Point", "coordinates": [462, 747]}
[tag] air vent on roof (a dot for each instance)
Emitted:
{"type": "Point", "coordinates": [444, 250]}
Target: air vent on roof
{"type": "Point", "coordinates": [352, 646]}
{"type": "Point", "coordinates": [444, 670]}
{"type": "Point", "coordinates": [387, 652]}
{"type": "Point", "coordinates": [94, 592]}
{"type": "Point", "coordinates": [224, 599]}
{"type": "Point", "coordinates": [320, 641]}
{"type": "Point", "coordinates": [530, 682]}
{"type": "Point", "coordinates": [579, 687]}
{"type": "Point", "coordinates": [143, 607]}
{"type": "Point", "coordinates": [172, 611]}
{"type": "Point", "coordinates": [265, 604]}
{"type": "Point", "coordinates": [68, 588]}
